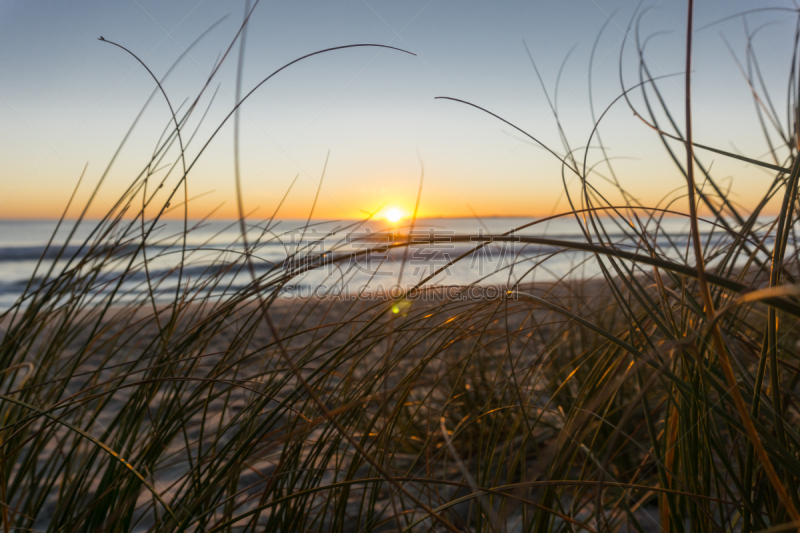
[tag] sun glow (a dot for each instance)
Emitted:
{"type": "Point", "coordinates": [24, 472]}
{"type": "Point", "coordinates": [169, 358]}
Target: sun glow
{"type": "Point", "coordinates": [393, 215]}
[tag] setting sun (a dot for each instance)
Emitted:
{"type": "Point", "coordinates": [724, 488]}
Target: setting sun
{"type": "Point", "coordinates": [393, 215]}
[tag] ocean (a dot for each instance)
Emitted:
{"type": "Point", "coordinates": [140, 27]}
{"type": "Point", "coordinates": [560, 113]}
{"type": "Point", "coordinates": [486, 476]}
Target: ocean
{"type": "Point", "coordinates": [215, 250]}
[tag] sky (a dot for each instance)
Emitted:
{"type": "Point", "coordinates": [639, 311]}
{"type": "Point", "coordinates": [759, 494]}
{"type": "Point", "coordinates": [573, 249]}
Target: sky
{"type": "Point", "coordinates": [68, 99]}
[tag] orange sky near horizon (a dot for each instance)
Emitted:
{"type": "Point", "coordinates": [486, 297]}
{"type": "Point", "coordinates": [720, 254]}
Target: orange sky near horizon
{"type": "Point", "coordinates": [533, 201]}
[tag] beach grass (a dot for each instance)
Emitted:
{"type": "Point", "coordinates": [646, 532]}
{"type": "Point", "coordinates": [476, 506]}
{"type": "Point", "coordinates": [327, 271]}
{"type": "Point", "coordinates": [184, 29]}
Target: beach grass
{"type": "Point", "coordinates": [660, 395]}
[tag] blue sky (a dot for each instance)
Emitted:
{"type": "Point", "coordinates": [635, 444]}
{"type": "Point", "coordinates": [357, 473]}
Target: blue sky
{"type": "Point", "coordinates": [68, 99]}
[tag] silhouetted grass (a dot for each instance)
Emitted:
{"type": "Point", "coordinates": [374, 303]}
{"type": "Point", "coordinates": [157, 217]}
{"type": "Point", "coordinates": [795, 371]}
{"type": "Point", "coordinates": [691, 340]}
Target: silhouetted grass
{"type": "Point", "coordinates": [659, 395]}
